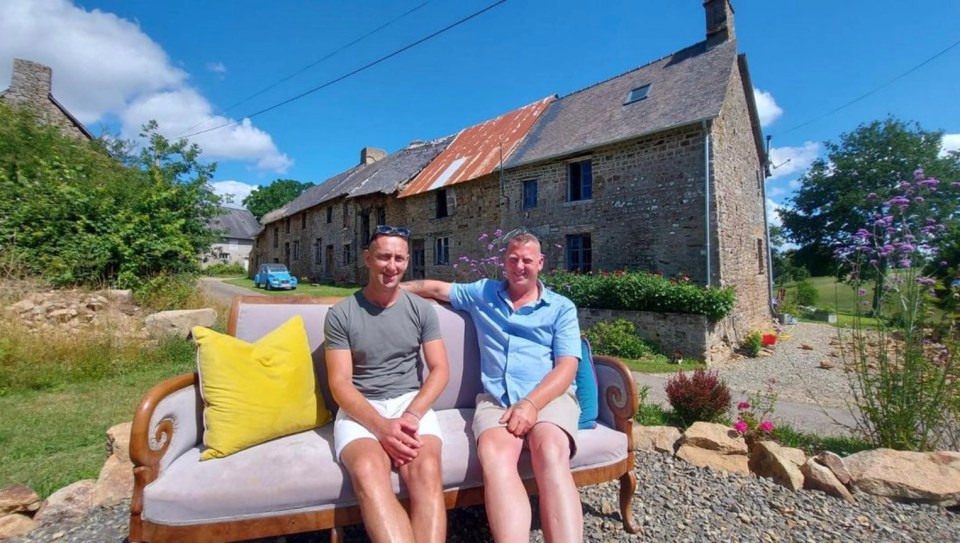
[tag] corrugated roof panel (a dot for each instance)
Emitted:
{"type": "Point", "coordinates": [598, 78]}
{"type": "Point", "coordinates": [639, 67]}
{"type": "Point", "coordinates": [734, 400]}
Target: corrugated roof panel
{"type": "Point", "coordinates": [476, 151]}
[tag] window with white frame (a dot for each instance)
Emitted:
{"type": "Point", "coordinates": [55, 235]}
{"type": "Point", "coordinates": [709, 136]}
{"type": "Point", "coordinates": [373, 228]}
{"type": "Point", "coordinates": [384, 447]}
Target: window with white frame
{"type": "Point", "coordinates": [580, 181]}
{"type": "Point", "coordinates": [441, 253]}
{"type": "Point", "coordinates": [579, 253]}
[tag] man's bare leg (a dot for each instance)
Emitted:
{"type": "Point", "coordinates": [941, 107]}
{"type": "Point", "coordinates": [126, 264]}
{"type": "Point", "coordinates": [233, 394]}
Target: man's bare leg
{"type": "Point", "coordinates": [561, 514]}
{"type": "Point", "coordinates": [423, 477]}
{"type": "Point", "coordinates": [505, 499]}
{"type": "Point", "coordinates": [369, 469]}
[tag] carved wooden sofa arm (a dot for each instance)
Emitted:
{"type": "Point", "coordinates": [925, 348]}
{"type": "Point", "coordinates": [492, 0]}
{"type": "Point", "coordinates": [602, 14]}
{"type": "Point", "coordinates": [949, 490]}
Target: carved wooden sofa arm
{"type": "Point", "coordinates": [167, 424]}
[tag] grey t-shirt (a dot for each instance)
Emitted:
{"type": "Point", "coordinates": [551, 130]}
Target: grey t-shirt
{"type": "Point", "coordinates": [384, 342]}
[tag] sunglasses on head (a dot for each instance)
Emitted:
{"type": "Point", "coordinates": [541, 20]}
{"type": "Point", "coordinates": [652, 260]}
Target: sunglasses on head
{"type": "Point", "coordinates": [387, 230]}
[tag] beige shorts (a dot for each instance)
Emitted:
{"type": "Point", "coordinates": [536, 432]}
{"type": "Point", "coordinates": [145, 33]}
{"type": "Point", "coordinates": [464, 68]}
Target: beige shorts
{"type": "Point", "coordinates": [563, 411]}
{"type": "Point", "coordinates": [346, 429]}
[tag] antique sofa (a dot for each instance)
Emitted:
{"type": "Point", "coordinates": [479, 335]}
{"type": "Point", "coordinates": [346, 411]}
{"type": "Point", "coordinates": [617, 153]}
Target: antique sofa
{"type": "Point", "coordinates": [293, 484]}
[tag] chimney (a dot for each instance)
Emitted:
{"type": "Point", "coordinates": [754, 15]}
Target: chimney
{"type": "Point", "coordinates": [719, 21]}
{"type": "Point", "coordinates": [30, 80]}
{"type": "Point", "coordinates": [369, 155]}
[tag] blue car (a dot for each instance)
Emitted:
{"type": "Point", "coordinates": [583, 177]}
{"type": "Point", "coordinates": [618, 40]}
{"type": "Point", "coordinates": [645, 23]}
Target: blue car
{"type": "Point", "coordinates": [274, 276]}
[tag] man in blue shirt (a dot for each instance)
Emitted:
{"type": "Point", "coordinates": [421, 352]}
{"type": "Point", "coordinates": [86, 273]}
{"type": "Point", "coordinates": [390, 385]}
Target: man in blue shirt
{"type": "Point", "coordinates": [529, 352]}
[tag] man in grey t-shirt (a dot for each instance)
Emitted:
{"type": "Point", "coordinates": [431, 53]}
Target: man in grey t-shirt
{"type": "Point", "coordinates": [373, 342]}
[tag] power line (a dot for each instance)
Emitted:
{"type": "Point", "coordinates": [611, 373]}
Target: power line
{"type": "Point", "coordinates": [312, 64]}
{"type": "Point", "coordinates": [876, 89]}
{"type": "Point", "coordinates": [354, 72]}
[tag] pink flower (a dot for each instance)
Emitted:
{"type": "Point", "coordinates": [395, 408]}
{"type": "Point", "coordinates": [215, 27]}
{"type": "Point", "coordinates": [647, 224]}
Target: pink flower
{"type": "Point", "coordinates": [740, 427]}
{"type": "Point", "coordinates": [743, 405]}
{"type": "Point", "coordinates": [766, 426]}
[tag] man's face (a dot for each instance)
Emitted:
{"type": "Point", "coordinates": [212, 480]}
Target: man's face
{"type": "Point", "coordinates": [523, 263]}
{"type": "Point", "coordinates": [387, 259]}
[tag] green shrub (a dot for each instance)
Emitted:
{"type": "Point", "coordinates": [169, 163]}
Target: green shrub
{"type": "Point", "coordinates": [704, 396]}
{"type": "Point", "coordinates": [617, 338]}
{"type": "Point", "coordinates": [166, 291]}
{"type": "Point", "coordinates": [753, 343]}
{"type": "Point", "coordinates": [806, 293]}
{"type": "Point", "coordinates": [640, 291]}
{"type": "Point", "coordinates": [222, 268]}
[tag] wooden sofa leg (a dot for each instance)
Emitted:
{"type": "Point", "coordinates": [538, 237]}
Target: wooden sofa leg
{"type": "Point", "coordinates": [336, 535]}
{"type": "Point", "coordinates": [628, 485]}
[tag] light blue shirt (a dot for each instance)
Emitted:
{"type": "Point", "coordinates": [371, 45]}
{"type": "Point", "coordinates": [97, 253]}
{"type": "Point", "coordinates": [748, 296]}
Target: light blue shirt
{"type": "Point", "coordinates": [517, 348]}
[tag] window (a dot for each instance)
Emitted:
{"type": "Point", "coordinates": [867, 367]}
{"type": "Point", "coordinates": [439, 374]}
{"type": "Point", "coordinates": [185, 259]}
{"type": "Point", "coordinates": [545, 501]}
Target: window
{"type": "Point", "coordinates": [579, 258]}
{"type": "Point", "coordinates": [381, 216]}
{"type": "Point", "coordinates": [346, 215]}
{"type": "Point", "coordinates": [580, 186]}
{"type": "Point", "coordinates": [303, 221]}
{"type": "Point", "coordinates": [441, 203]}
{"type": "Point", "coordinates": [760, 267]}
{"type": "Point", "coordinates": [530, 194]}
{"type": "Point", "coordinates": [317, 246]}
{"type": "Point", "coordinates": [417, 258]}
{"type": "Point", "coordinates": [346, 253]}
{"type": "Point", "coordinates": [296, 249]}
{"type": "Point", "coordinates": [637, 94]}
{"type": "Point", "coordinates": [287, 230]}
{"type": "Point", "coordinates": [276, 237]}
{"type": "Point", "coordinates": [441, 254]}
{"type": "Point", "coordinates": [329, 215]}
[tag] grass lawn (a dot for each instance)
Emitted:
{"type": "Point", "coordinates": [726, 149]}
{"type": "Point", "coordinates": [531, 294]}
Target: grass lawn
{"type": "Point", "coordinates": [55, 436]}
{"type": "Point", "coordinates": [303, 289]}
{"type": "Point", "coordinates": [842, 299]}
{"type": "Point", "coordinates": [658, 363]}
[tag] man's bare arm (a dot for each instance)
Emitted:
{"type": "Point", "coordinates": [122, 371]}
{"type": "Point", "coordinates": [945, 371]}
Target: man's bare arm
{"type": "Point", "coordinates": [428, 288]}
{"type": "Point", "coordinates": [435, 358]}
{"type": "Point", "coordinates": [521, 416]}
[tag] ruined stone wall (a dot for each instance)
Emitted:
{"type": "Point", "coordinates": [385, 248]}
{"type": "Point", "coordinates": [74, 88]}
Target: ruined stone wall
{"type": "Point", "coordinates": [31, 87]}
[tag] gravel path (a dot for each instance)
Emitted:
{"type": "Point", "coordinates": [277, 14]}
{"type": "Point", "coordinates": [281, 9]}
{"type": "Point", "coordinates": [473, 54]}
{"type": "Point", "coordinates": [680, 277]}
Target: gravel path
{"type": "Point", "coordinates": [675, 502]}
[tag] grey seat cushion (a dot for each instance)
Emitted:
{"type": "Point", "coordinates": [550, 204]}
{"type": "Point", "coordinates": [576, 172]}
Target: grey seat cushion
{"type": "Point", "coordinates": [297, 473]}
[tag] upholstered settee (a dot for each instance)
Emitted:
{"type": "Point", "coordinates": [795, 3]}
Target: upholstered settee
{"type": "Point", "coordinates": [293, 484]}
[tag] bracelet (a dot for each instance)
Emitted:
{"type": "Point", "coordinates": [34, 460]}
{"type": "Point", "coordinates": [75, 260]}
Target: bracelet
{"type": "Point", "coordinates": [529, 401]}
{"type": "Point", "coordinates": [416, 416]}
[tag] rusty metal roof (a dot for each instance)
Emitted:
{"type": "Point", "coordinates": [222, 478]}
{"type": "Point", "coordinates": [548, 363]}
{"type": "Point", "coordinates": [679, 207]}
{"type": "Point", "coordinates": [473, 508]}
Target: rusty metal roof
{"type": "Point", "coordinates": [477, 150]}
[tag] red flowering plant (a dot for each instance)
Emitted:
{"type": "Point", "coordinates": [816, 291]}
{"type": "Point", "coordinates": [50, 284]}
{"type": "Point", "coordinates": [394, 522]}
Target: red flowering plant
{"type": "Point", "coordinates": [753, 416]}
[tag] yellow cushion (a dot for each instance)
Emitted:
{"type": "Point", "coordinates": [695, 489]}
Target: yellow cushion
{"type": "Point", "coordinates": [256, 392]}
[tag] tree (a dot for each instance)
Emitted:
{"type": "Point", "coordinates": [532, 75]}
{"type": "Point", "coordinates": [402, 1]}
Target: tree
{"type": "Point", "coordinates": [832, 202]}
{"type": "Point", "coordinates": [273, 196]}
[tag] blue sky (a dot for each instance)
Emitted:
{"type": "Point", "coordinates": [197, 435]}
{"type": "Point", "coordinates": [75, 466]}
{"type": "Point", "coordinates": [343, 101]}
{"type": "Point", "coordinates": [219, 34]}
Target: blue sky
{"type": "Point", "coordinates": [119, 63]}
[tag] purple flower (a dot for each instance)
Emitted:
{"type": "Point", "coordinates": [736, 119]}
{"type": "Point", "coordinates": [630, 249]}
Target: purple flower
{"type": "Point", "coordinates": [497, 233]}
{"type": "Point", "coordinates": [907, 247]}
{"type": "Point", "coordinates": [871, 196]}
{"type": "Point", "coordinates": [918, 200]}
{"type": "Point", "coordinates": [874, 262]}
{"type": "Point", "coordinates": [482, 237]}
{"type": "Point", "coordinates": [925, 281]}
{"type": "Point", "coordinates": [955, 184]}
{"type": "Point", "coordinates": [861, 292]}
{"type": "Point", "coordinates": [743, 405]}
{"type": "Point", "coordinates": [905, 263]}
{"type": "Point", "coordinates": [766, 426]}
{"type": "Point", "coordinates": [740, 426]}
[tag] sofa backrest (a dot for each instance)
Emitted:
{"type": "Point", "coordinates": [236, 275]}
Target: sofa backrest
{"type": "Point", "coordinates": [252, 317]}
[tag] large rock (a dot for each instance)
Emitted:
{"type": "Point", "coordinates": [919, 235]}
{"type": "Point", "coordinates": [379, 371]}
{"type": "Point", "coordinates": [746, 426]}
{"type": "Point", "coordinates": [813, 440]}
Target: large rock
{"type": "Point", "coordinates": [819, 477]}
{"type": "Point", "coordinates": [706, 458]}
{"type": "Point", "coordinates": [768, 459]}
{"type": "Point", "coordinates": [124, 296]}
{"type": "Point", "coordinates": [114, 484]}
{"type": "Point", "coordinates": [68, 503]}
{"type": "Point", "coordinates": [17, 499]}
{"type": "Point", "coordinates": [932, 477]}
{"type": "Point", "coordinates": [656, 438]}
{"type": "Point", "coordinates": [118, 441]}
{"type": "Point", "coordinates": [179, 322]}
{"type": "Point", "coordinates": [715, 437]}
{"type": "Point", "coordinates": [13, 525]}
{"type": "Point", "coordinates": [835, 463]}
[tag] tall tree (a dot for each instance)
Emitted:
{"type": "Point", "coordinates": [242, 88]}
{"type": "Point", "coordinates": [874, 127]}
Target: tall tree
{"type": "Point", "coordinates": [832, 204]}
{"type": "Point", "coordinates": [275, 195]}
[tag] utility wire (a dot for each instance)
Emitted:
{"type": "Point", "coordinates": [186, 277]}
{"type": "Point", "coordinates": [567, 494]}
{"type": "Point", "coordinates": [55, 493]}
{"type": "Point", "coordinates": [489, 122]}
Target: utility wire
{"type": "Point", "coordinates": [311, 65]}
{"type": "Point", "coordinates": [354, 72]}
{"type": "Point", "coordinates": [876, 89]}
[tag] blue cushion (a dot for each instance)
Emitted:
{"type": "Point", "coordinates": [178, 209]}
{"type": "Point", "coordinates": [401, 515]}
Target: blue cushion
{"type": "Point", "coordinates": [587, 393]}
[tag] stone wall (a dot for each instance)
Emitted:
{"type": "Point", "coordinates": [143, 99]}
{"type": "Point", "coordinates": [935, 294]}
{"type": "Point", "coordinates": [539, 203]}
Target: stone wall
{"type": "Point", "coordinates": [693, 336]}
{"type": "Point", "coordinates": [31, 88]}
{"type": "Point", "coordinates": [228, 252]}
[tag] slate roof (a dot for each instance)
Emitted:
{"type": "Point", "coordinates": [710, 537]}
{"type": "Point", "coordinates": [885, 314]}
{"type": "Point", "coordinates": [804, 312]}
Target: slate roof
{"type": "Point", "coordinates": [478, 150]}
{"type": "Point", "coordinates": [385, 176]}
{"type": "Point", "coordinates": [685, 87]}
{"type": "Point", "coordinates": [237, 223]}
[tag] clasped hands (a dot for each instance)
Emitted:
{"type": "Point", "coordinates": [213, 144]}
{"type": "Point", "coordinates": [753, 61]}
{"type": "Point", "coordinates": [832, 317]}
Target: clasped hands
{"type": "Point", "coordinates": [520, 417]}
{"type": "Point", "coordinates": [400, 438]}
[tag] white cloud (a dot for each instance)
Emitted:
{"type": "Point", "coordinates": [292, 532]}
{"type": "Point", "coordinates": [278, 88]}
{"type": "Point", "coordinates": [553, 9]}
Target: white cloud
{"type": "Point", "coordinates": [794, 184]}
{"type": "Point", "coordinates": [767, 107]}
{"type": "Point", "coordinates": [951, 142]}
{"type": "Point", "coordinates": [217, 67]}
{"type": "Point", "coordinates": [776, 192]}
{"type": "Point", "coordinates": [790, 160]}
{"type": "Point", "coordinates": [773, 218]}
{"type": "Point", "coordinates": [236, 191]}
{"type": "Point", "coordinates": [106, 67]}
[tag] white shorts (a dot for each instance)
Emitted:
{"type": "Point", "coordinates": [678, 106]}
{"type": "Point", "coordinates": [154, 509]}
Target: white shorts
{"type": "Point", "coordinates": [346, 429]}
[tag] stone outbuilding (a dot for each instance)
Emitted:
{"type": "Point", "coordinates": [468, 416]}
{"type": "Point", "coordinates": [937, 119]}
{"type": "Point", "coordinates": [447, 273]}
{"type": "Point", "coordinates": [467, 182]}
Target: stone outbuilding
{"type": "Point", "coordinates": [31, 86]}
{"type": "Point", "coordinates": [660, 169]}
{"type": "Point", "coordinates": [238, 230]}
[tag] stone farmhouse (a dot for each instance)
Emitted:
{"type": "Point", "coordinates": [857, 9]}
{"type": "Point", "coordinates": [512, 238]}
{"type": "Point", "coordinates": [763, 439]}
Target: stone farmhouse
{"type": "Point", "coordinates": [31, 86]}
{"type": "Point", "coordinates": [661, 169]}
{"type": "Point", "coordinates": [238, 230]}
